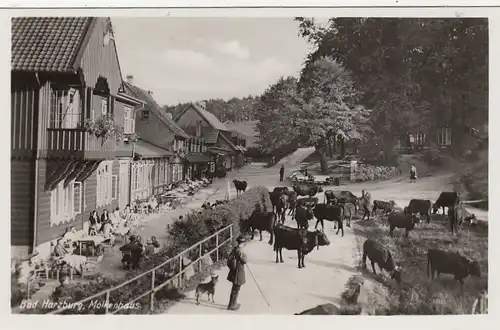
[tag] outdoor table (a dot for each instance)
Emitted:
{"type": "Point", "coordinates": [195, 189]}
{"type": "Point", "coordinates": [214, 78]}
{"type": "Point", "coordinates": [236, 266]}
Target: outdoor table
{"type": "Point", "coordinates": [95, 240]}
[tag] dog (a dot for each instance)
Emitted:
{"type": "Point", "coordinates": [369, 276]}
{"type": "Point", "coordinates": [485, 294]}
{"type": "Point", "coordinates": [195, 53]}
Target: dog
{"type": "Point", "coordinates": [208, 288]}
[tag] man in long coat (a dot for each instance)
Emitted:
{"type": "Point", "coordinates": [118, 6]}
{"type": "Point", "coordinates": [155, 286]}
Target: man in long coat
{"type": "Point", "coordinates": [237, 274]}
{"type": "Point", "coordinates": [282, 172]}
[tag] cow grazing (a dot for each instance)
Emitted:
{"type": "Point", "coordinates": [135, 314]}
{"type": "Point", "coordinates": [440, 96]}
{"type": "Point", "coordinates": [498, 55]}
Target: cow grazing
{"type": "Point", "coordinates": [457, 215]}
{"type": "Point", "coordinates": [307, 190]}
{"type": "Point", "coordinates": [448, 262]}
{"type": "Point", "coordinates": [420, 206]}
{"type": "Point", "coordinates": [330, 213]}
{"type": "Point", "coordinates": [387, 207]}
{"type": "Point", "coordinates": [303, 215]}
{"type": "Point", "coordinates": [445, 199]}
{"type": "Point", "coordinates": [261, 220]}
{"type": "Point", "coordinates": [297, 239]}
{"type": "Point", "coordinates": [240, 186]}
{"type": "Point", "coordinates": [380, 255]}
{"type": "Point", "coordinates": [281, 207]}
{"type": "Point", "coordinates": [401, 220]}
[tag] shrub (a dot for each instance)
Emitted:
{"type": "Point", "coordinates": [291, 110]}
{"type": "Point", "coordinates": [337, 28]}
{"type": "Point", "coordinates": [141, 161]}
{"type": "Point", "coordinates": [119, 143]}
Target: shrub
{"type": "Point", "coordinates": [433, 155]}
{"type": "Point", "coordinates": [365, 172]}
{"type": "Point", "coordinates": [182, 234]}
{"type": "Point", "coordinates": [418, 295]}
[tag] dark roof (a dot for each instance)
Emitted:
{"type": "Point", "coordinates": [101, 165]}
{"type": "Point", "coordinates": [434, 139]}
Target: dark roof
{"type": "Point", "coordinates": [47, 44]}
{"type": "Point", "coordinates": [247, 128]}
{"type": "Point", "coordinates": [209, 117]}
{"type": "Point", "coordinates": [198, 157]}
{"type": "Point", "coordinates": [148, 150]}
{"type": "Point", "coordinates": [142, 94]}
{"type": "Point", "coordinates": [231, 144]}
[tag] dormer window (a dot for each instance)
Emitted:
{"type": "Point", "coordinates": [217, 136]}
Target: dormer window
{"type": "Point", "coordinates": [145, 114]}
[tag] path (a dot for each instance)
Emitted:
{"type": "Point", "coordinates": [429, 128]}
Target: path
{"type": "Point", "coordinates": [287, 288]}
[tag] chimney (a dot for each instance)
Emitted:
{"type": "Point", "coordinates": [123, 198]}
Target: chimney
{"type": "Point", "coordinates": [130, 79]}
{"type": "Point", "coordinates": [203, 104]}
{"type": "Point", "coordinates": [150, 93]}
{"type": "Point", "coordinates": [169, 115]}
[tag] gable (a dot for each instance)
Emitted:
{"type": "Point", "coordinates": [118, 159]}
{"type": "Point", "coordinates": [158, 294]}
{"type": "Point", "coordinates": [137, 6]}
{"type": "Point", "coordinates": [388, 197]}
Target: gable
{"type": "Point", "coordinates": [100, 59]}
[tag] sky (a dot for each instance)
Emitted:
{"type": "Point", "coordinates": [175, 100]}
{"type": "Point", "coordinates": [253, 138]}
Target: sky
{"type": "Point", "coordinates": [194, 59]}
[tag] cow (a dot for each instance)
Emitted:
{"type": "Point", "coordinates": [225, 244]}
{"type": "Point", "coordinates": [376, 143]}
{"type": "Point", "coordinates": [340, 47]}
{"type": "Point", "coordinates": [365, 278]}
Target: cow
{"type": "Point", "coordinates": [297, 239]}
{"type": "Point", "coordinates": [275, 195]}
{"type": "Point", "coordinates": [401, 220]}
{"type": "Point", "coordinates": [261, 220]}
{"type": "Point", "coordinates": [364, 203]}
{"type": "Point", "coordinates": [445, 199]}
{"type": "Point", "coordinates": [387, 207]}
{"type": "Point", "coordinates": [240, 186]}
{"type": "Point", "coordinates": [380, 255]}
{"type": "Point", "coordinates": [292, 201]}
{"type": "Point", "coordinates": [303, 215]}
{"type": "Point", "coordinates": [329, 197]}
{"type": "Point", "coordinates": [331, 309]}
{"type": "Point", "coordinates": [342, 197]}
{"type": "Point", "coordinates": [330, 213]}
{"type": "Point", "coordinates": [304, 201]}
{"type": "Point", "coordinates": [281, 207]}
{"type": "Point", "coordinates": [420, 206]}
{"type": "Point", "coordinates": [307, 190]}
{"type": "Point", "coordinates": [349, 210]}
{"type": "Point", "coordinates": [457, 215]}
{"type": "Point", "coordinates": [448, 262]}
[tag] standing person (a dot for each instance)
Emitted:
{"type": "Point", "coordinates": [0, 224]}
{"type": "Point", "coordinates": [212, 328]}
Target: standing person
{"type": "Point", "coordinates": [236, 263]}
{"type": "Point", "coordinates": [413, 173]}
{"type": "Point", "coordinates": [282, 172]}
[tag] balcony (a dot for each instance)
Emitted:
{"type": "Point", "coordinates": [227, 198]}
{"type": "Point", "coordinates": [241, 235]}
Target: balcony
{"type": "Point", "coordinates": [78, 143]}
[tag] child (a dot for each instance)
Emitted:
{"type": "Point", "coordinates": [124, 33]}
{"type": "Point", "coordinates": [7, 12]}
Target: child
{"type": "Point", "coordinates": [155, 243]}
{"type": "Point", "coordinates": [149, 250]}
{"type": "Point", "coordinates": [61, 292]}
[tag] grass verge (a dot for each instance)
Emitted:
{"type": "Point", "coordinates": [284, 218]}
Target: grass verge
{"type": "Point", "coordinates": [418, 295]}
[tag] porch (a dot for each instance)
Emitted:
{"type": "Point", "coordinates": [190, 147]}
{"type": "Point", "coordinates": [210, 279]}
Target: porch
{"type": "Point", "coordinates": [78, 143]}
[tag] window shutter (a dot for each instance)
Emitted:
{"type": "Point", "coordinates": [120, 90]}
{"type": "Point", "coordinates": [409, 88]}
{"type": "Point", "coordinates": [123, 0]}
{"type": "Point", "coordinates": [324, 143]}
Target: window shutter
{"type": "Point", "coordinates": [114, 187]}
{"type": "Point", "coordinates": [88, 103]}
{"type": "Point", "coordinates": [77, 193]}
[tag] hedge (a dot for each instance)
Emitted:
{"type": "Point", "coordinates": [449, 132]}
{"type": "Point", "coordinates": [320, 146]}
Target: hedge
{"type": "Point", "coordinates": [365, 172]}
{"type": "Point", "coordinates": [197, 225]}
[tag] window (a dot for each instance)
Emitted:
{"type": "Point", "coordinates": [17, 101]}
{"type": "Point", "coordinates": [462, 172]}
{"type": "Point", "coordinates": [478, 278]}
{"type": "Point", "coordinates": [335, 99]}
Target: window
{"type": "Point", "coordinates": [128, 121]}
{"type": "Point", "coordinates": [444, 136]}
{"type": "Point", "coordinates": [104, 106]}
{"type": "Point", "coordinates": [65, 108]}
{"type": "Point", "coordinates": [65, 202]}
{"type": "Point", "coordinates": [107, 184]}
{"type": "Point", "coordinates": [145, 114]}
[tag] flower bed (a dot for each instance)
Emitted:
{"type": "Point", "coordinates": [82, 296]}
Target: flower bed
{"type": "Point", "coordinates": [182, 235]}
{"type": "Point", "coordinates": [365, 172]}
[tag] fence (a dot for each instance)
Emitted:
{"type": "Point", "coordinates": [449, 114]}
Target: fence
{"type": "Point", "coordinates": [152, 272]}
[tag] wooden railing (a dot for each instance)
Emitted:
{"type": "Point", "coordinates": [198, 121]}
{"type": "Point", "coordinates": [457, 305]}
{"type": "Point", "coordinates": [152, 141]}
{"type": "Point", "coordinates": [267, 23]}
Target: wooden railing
{"type": "Point", "coordinates": [152, 272]}
{"type": "Point", "coordinates": [76, 139]}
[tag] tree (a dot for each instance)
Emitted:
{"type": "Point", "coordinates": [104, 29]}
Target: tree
{"type": "Point", "coordinates": [331, 107]}
{"type": "Point", "coordinates": [413, 73]}
{"type": "Point", "coordinates": [324, 105]}
{"type": "Point", "coordinates": [277, 112]}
